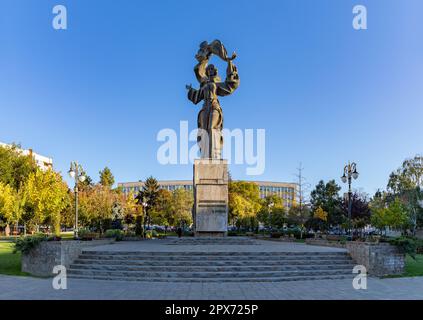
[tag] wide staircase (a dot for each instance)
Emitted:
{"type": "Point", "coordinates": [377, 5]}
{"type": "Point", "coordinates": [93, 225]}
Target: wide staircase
{"type": "Point", "coordinates": [219, 266]}
{"type": "Point", "coordinates": [191, 241]}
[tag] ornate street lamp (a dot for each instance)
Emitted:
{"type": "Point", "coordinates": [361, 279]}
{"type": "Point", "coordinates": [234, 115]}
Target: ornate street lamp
{"type": "Point", "coordinates": [269, 211]}
{"type": "Point", "coordinates": [77, 173]}
{"type": "Point", "coordinates": [144, 212]}
{"type": "Point", "coordinates": [350, 172]}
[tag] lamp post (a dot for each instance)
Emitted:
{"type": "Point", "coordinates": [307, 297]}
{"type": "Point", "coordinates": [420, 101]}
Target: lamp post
{"type": "Point", "coordinates": [350, 172]}
{"type": "Point", "coordinates": [269, 208]}
{"type": "Point", "coordinates": [144, 207]}
{"type": "Point", "coordinates": [77, 173]}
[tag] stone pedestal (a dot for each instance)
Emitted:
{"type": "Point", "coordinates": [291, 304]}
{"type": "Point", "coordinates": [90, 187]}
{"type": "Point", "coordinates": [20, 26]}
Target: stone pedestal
{"type": "Point", "coordinates": [210, 197]}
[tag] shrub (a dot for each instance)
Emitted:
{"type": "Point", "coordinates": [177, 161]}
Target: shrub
{"type": "Point", "coordinates": [25, 244]}
{"type": "Point", "coordinates": [54, 238]}
{"type": "Point", "coordinates": [407, 245]}
{"type": "Point", "coordinates": [343, 239]}
{"type": "Point", "coordinates": [419, 246]}
{"type": "Point", "coordinates": [151, 234]}
{"type": "Point", "coordinates": [83, 232]}
{"type": "Point", "coordinates": [130, 234]}
{"type": "Point", "coordinates": [186, 233]}
{"type": "Point", "coordinates": [86, 234]}
{"type": "Point", "coordinates": [275, 235]}
{"type": "Point", "coordinates": [114, 233]}
{"type": "Point", "coordinates": [297, 234]}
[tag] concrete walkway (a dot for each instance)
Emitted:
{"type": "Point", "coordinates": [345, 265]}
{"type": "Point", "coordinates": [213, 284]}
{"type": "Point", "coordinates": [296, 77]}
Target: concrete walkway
{"type": "Point", "coordinates": [27, 288]}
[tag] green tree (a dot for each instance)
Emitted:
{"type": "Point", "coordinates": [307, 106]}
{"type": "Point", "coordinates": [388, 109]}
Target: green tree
{"type": "Point", "coordinates": [106, 178]}
{"type": "Point", "coordinates": [272, 212]}
{"type": "Point", "coordinates": [182, 202]}
{"type": "Point", "coordinates": [244, 201]}
{"type": "Point", "coordinates": [96, 207]}
{"type": "Point", "coordinates": [278, 217]}
{"type": "Point", "coordinates": [47, 194]}
{"type": "Point", "coordinates": [7, 204]}
{"type": "Point", "coordinates": [148, 195]}
{"type": "Point", "coordinates": [393, 216]}
{"type": "Point", "coordinates": [320, 214]}
{"type": "Point", "coordinates": [162, 212]}
{"type": "Point", "coordinates": [15, 167]}
{"type": "Point", "coordinates": [406, 183]}
{"type": "Point", "coordinates": [326, 196]}
{"type": "Point", "coordinates": [130, 206]}
{"type": "Point", "coordinates": [319, 220]}
{"type": "Point", "coordinates": [408, 177]}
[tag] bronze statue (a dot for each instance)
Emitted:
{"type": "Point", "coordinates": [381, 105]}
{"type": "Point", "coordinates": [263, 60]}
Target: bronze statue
{"type": "Point", "coordinates": [210, 117]}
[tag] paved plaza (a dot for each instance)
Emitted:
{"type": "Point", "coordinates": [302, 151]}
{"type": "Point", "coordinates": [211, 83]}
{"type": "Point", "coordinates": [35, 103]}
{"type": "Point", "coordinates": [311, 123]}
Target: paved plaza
{"type": "Point", "coordinates": [166, 245]}
{"type": "Point", "coordinates": [28, 288]}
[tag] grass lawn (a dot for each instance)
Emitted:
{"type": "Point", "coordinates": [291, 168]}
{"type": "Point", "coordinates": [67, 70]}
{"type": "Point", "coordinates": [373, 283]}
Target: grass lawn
{"type": "Point", "coordinates": [10, 263]}
{"type": "Point", "coordinates": [414, 268]}
{"type": "Point", "coordinates": [68, 235]}
{"type": "Point", "coordinates": [169, 234]}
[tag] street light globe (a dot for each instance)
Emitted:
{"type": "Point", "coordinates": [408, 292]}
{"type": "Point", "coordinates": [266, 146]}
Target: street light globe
{"type": "Point", "coordinates": [72, 173]}
{"type": "Point", "coordinates": [355, 175]}
{"type": "Point", "coordinates": [82, 178]}
{"type": "Point", "coordinates": [344, 178]}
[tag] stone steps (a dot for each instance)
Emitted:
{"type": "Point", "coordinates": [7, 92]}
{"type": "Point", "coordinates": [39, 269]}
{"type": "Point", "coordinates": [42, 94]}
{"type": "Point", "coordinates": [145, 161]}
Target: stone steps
{"type": "Point", "coordinates": [177, 263]}
{"type": "Point", "coordinates": [231, 268]}
{"type": "Point", "coordinates": [205, 258]}
{"type": "Point", "coordinates": [205, 275]}
{"type": "Point", "coordinates": [210, 266]}
{"type": "Point", "coordinates": [217, 280]}
{"type": "Point", "coordinates": [214, 241]}
{"type": "Point", "coordinates": [214, 253]}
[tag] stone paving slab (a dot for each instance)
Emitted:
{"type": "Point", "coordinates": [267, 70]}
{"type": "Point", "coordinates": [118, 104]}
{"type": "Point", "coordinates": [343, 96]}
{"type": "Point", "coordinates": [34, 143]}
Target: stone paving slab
{"type": "Point", "coordinates": [28, 288]}
{"type": "Point", "coordinates": [166, 245]}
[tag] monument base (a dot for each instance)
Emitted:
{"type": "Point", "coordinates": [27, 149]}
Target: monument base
{"type": "Point", "coordinates": [210, 198]}
{"type": "Point", "coordinates": [202, 234]}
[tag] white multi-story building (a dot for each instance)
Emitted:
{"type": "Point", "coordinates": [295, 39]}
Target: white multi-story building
{"type": "Point", "coordinates": [42, 162]}
{"type": "Point", "coordinates": [285, 190]}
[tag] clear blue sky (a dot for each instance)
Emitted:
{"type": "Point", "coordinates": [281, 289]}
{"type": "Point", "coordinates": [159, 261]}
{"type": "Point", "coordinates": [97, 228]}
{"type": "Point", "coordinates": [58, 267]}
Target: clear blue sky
{"type": "Point", "coordinates": [325, 93]}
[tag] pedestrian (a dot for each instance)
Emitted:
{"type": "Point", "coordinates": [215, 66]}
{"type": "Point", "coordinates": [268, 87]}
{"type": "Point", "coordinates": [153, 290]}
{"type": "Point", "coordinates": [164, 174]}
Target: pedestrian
{"type": "Point", "coordinates": [179, 232]}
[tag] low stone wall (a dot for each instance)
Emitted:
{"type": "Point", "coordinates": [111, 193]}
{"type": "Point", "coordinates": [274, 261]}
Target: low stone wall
{"type": "Point", "coordinates": [324, 243]}
{"type": "Point", "coordinates": [41, 260]}
{"type": "Point", "coordinates": [380, 259]}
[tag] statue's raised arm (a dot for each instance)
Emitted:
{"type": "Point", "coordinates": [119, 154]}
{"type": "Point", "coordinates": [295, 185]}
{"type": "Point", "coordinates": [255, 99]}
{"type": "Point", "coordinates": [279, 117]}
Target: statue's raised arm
{"type": "Point", "coordinates": [231, 82]}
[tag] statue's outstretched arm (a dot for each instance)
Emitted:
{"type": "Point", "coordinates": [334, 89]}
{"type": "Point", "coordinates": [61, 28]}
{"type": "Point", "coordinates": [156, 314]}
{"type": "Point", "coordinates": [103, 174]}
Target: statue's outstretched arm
{"type": "Point", "coordinates": [195, 95]}
{"type": "Point", "coordinates": [231, 82]}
